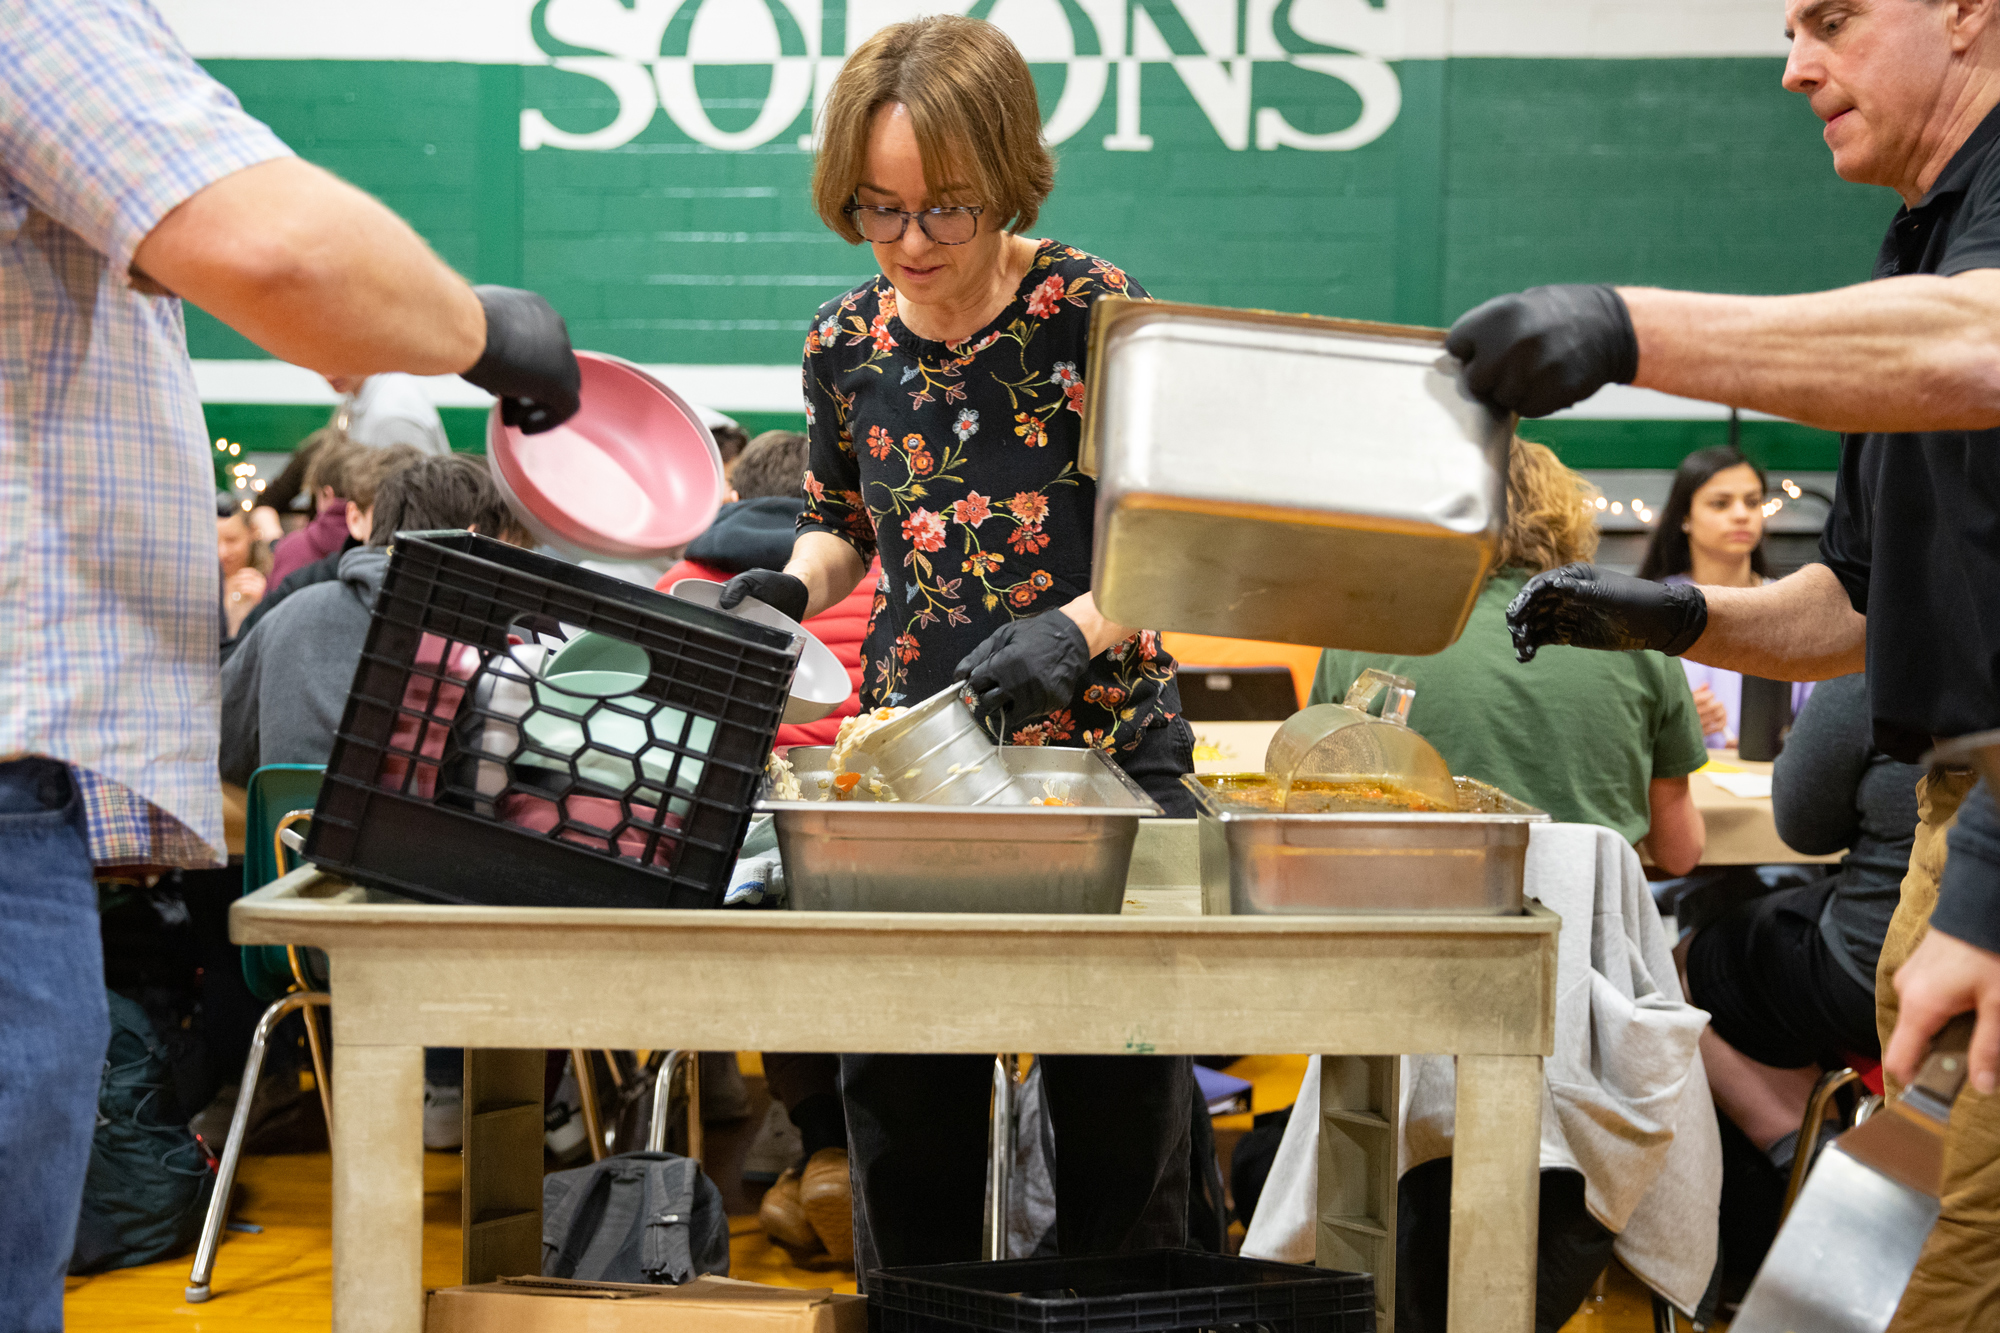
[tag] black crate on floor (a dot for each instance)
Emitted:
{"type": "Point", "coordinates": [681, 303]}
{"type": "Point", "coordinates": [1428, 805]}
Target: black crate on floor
{"type": "Point", "coordinates": [1150, 1291]}
{"type": "Point", "coordinates": [420, 797]}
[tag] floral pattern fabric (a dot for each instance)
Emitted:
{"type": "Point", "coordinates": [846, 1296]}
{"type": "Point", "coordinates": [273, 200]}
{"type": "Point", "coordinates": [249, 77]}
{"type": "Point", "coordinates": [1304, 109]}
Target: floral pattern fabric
{"type": "Point", "coordinates": [956, 462]}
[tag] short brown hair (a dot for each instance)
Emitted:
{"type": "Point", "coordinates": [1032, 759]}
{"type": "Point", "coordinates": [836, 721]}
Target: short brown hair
{"type": "Point", "coordinates": [772, 464]}
{"type": "Point", "coordinates": [330, 449]}
{"type": "Point", "coordinates": [369, 466]}
{"type": "Point", "coordinates": [452, 492]}
{"type": "Point", "coordinates": [972, 104]}
{"type": "Point", "coordinates": [1551, 514]}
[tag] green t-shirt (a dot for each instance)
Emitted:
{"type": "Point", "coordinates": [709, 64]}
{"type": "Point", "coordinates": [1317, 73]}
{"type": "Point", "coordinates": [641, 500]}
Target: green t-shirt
{"type": "Point", "coordinates": [1576, 732]}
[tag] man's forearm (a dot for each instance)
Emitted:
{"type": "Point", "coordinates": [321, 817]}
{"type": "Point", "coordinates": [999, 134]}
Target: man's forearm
{"type": "Point", "coordinates": [1800, 628]}
{"type": "Point", "coordinates": [1903, 354]}
{"type": "Point", "coordinates": [315, 272]}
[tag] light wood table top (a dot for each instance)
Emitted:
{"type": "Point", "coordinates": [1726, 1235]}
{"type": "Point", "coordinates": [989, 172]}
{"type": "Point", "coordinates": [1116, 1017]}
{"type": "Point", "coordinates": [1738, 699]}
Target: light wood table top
{"type": "Point", "coordinates": [1160, 978]}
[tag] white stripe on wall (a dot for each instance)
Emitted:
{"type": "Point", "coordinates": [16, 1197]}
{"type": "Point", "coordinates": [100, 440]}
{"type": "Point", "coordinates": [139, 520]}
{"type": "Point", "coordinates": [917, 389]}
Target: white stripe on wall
{"type": "Point", "coordinates": [776, 389]}
{"type": "Point", "coordinates": [496, 31]}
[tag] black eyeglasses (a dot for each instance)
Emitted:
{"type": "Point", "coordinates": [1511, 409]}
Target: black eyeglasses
{"type": "Point", "coordinates": [885, 226]}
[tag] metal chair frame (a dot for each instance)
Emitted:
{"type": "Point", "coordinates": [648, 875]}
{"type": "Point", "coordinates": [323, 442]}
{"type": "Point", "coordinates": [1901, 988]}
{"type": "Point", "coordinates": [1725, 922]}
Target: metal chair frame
{"type": "Point", "coordinates": [1830, 1083]}
{"type": "Point", "coordinates": [305, 999]}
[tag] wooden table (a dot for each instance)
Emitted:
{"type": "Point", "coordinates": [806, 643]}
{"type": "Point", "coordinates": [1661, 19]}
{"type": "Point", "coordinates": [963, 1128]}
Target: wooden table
{"type": "Point", "coordinates": [509, 982]}
{"type": "Point", "coordinates": [1741, 830]}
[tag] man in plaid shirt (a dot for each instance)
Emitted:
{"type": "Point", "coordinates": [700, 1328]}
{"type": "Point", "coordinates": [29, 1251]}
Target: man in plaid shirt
{"type": "Point", "coordinates": [128, 179]}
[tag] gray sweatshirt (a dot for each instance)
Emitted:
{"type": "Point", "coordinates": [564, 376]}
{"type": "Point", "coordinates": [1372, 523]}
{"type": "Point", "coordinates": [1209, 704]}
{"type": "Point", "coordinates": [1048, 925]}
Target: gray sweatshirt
{"type": "Point", "coordinates": [285, 686]}
{"type": "Point", "coordinates": [1832, 790]}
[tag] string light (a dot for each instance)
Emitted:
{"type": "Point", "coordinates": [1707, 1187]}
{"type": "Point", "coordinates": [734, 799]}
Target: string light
{"type": "Point", "coordinates": [1617, 508]}
{"type": "Point", "coordinates": [1600, 502]}
{"type": "Point", "coordinates": [1773, 505]}
{"type": "Point", "coordinates": [1790, 488]}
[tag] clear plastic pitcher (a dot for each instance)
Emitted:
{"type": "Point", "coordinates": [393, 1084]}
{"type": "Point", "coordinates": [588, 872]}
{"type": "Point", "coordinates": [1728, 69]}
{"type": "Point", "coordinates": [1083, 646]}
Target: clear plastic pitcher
{"type": "Point", "coordinates": [1330, 756]}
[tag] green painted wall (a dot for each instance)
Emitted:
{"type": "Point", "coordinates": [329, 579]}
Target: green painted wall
{"type": "Point", "coordinates": [1496, 174]}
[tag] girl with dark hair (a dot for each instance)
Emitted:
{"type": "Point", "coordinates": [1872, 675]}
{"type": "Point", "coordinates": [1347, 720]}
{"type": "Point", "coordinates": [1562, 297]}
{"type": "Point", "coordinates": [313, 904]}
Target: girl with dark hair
{"type": "Point", "coordinates": [1711, 532]}
{"type": "Point", "coordinates": [1712, 529]}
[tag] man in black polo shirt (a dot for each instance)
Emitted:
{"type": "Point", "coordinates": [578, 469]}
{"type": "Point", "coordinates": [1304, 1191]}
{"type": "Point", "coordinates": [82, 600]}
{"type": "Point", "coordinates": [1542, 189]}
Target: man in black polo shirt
{"type": "Point", "coordinates": [1909, 366]}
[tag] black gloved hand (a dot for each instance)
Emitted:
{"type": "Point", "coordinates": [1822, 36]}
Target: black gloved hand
{"type": "Point", "coordinates": [1539, 351]}
{"type": "Point", "coordinates": [1588, 607]}
{"type": "Point", "coordinates": [527, 364]}
{"type": "Point", "coordinates": [1027, 668]}
{"type": "Point", "coordinates": [774, 588]}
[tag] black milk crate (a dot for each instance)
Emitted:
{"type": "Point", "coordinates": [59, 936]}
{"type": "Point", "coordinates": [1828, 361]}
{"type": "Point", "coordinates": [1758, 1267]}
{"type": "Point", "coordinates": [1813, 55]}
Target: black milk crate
{"type": "Point", "coordinates": [1147, 1291]}
{"type": "Point", "coordinates": [457, 776]}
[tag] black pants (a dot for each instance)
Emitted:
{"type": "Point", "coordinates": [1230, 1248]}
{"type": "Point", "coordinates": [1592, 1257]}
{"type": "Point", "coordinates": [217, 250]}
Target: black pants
{"type": "Point", "coordinates": [1573, 1248]}
{"type": "Point", "coordinates": [917, 1137]}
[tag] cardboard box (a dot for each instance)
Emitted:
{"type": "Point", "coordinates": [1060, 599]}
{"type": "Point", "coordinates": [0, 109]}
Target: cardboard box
{"type": "Point", "coordinates": [705, 1305]}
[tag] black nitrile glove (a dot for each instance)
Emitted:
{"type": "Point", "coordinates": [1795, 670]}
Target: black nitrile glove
{"type": "Point", "coordinates": [1539, 351]}
{"type": "Point", "coordinates": [527, 364]}
{"type": "Point", "coordinates": [1588, 607]}
{"type": "Point", "coordinates": [1027, 668]}
{"type": "Point", "coordinates": [775, 589]}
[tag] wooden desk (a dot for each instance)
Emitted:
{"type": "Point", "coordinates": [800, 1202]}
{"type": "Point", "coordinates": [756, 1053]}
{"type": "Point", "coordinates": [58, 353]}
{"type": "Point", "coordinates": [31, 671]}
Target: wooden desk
{"type": "Point", "coordinates": [509, 982]}
{"type": "Point", "coordinates": [1741, 830]}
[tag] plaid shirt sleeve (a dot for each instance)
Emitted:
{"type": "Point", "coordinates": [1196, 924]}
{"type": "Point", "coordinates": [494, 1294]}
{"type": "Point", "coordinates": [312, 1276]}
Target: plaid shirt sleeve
{"type": "Point", "coordinates": [109, 123]}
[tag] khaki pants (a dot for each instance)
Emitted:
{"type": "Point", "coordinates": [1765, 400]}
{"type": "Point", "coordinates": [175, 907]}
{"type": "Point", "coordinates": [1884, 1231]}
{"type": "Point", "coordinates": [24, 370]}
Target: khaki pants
{"type": "Point", "coordinates": [1957, 1283]}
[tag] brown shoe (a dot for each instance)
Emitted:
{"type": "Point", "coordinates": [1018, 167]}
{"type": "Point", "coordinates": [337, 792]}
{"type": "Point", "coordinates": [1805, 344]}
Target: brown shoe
{"type": "Point", "coordinates": [782, 1217]}
{"type": "Point", "coordinates": [828, 1199]}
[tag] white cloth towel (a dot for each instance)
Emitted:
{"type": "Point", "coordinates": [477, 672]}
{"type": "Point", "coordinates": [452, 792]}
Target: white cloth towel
{"type": "Point", "coordinates": [1625, 1098]}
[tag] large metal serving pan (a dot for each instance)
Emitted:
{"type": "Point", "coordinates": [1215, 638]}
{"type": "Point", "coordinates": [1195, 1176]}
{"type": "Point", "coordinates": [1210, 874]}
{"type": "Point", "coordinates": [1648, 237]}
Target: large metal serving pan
{"type": "Point", "coordinates": [1268, 863]}
{"type": "Point", "coordinates": [1263, 476]}
{"type": "Point", "coordinates": [1003, 856]}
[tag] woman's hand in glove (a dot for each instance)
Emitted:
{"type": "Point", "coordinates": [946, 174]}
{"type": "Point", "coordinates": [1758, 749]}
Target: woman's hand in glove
{"type": "Point", "coordinates": [775, 589]}
{"type": "Point", "coordinates": [1028, 668]}
{"type": "Point", "coordinates": [1588, 607]}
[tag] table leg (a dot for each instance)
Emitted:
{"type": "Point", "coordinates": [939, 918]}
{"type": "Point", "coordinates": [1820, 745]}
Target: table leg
{"type": "Point", "coordinates": [501, 1198]}
{"type": "Point", "coordinates": [378, 1189]}
{"type": "Point", "coordinates": [1495, 1190]}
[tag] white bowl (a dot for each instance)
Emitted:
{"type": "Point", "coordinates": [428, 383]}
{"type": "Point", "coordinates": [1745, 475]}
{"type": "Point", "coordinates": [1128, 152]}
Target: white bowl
{"type": "Point", "coordinates": [821, 684]}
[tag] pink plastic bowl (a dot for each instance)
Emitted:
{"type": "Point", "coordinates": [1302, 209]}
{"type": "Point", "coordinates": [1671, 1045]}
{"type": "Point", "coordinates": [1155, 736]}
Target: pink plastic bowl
{"type": "Point", "coordinates": [631, 476]}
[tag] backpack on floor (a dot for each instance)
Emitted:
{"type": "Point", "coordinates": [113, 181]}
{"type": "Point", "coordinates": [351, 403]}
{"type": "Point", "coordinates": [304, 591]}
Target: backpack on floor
{"type": "Point", "coordinates": [637, 1217]}
{"type": "Point", "coordinates": [148, 1182]}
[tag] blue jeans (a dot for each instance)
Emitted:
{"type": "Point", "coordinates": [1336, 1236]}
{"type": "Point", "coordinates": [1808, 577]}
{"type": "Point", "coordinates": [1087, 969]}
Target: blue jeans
{"type": "Point", "coordinates": [54, 1028]}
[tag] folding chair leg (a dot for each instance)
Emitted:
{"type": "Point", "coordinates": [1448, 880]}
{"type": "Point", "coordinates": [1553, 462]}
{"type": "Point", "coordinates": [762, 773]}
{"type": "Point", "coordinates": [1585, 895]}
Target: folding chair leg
{"type": "Point", "coordinates": [1832, 1081]}
{"type": "Point", "coordinates": [663, 1086]}
{"type": "Point", "coordinates": [312, 1028]}
{"type": "Point", "coordinates": [586, 1092]}
{"type": "Point", "coordinates": [239, 1129]}
{"type": "Point", "coordinates": [1000, 1160]}
{"type": "Point", "coordinates": [320, 1080]}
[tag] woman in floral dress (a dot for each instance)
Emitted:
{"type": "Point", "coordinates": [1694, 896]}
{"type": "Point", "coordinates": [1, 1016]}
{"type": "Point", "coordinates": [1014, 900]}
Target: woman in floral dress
{"type": "Point", "coordinates": [945, 402]}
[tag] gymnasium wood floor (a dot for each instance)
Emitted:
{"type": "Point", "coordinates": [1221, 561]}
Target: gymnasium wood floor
{"type": "Point", "coordinates": [282, 1279]}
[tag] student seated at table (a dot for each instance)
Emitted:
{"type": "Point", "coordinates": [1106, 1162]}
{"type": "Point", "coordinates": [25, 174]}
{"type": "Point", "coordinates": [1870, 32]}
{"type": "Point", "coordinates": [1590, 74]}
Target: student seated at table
{"type": "Point", "coordinates": [285, 687]}
{"type": "Point", "coordinates": [1711, 532]}
{"type": "Point", "coordinates": [360, 471]}
{"type": "Point", "coordinates": [1593, 738]}
{"type": "Point", "coordinates": [1789, 978]}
